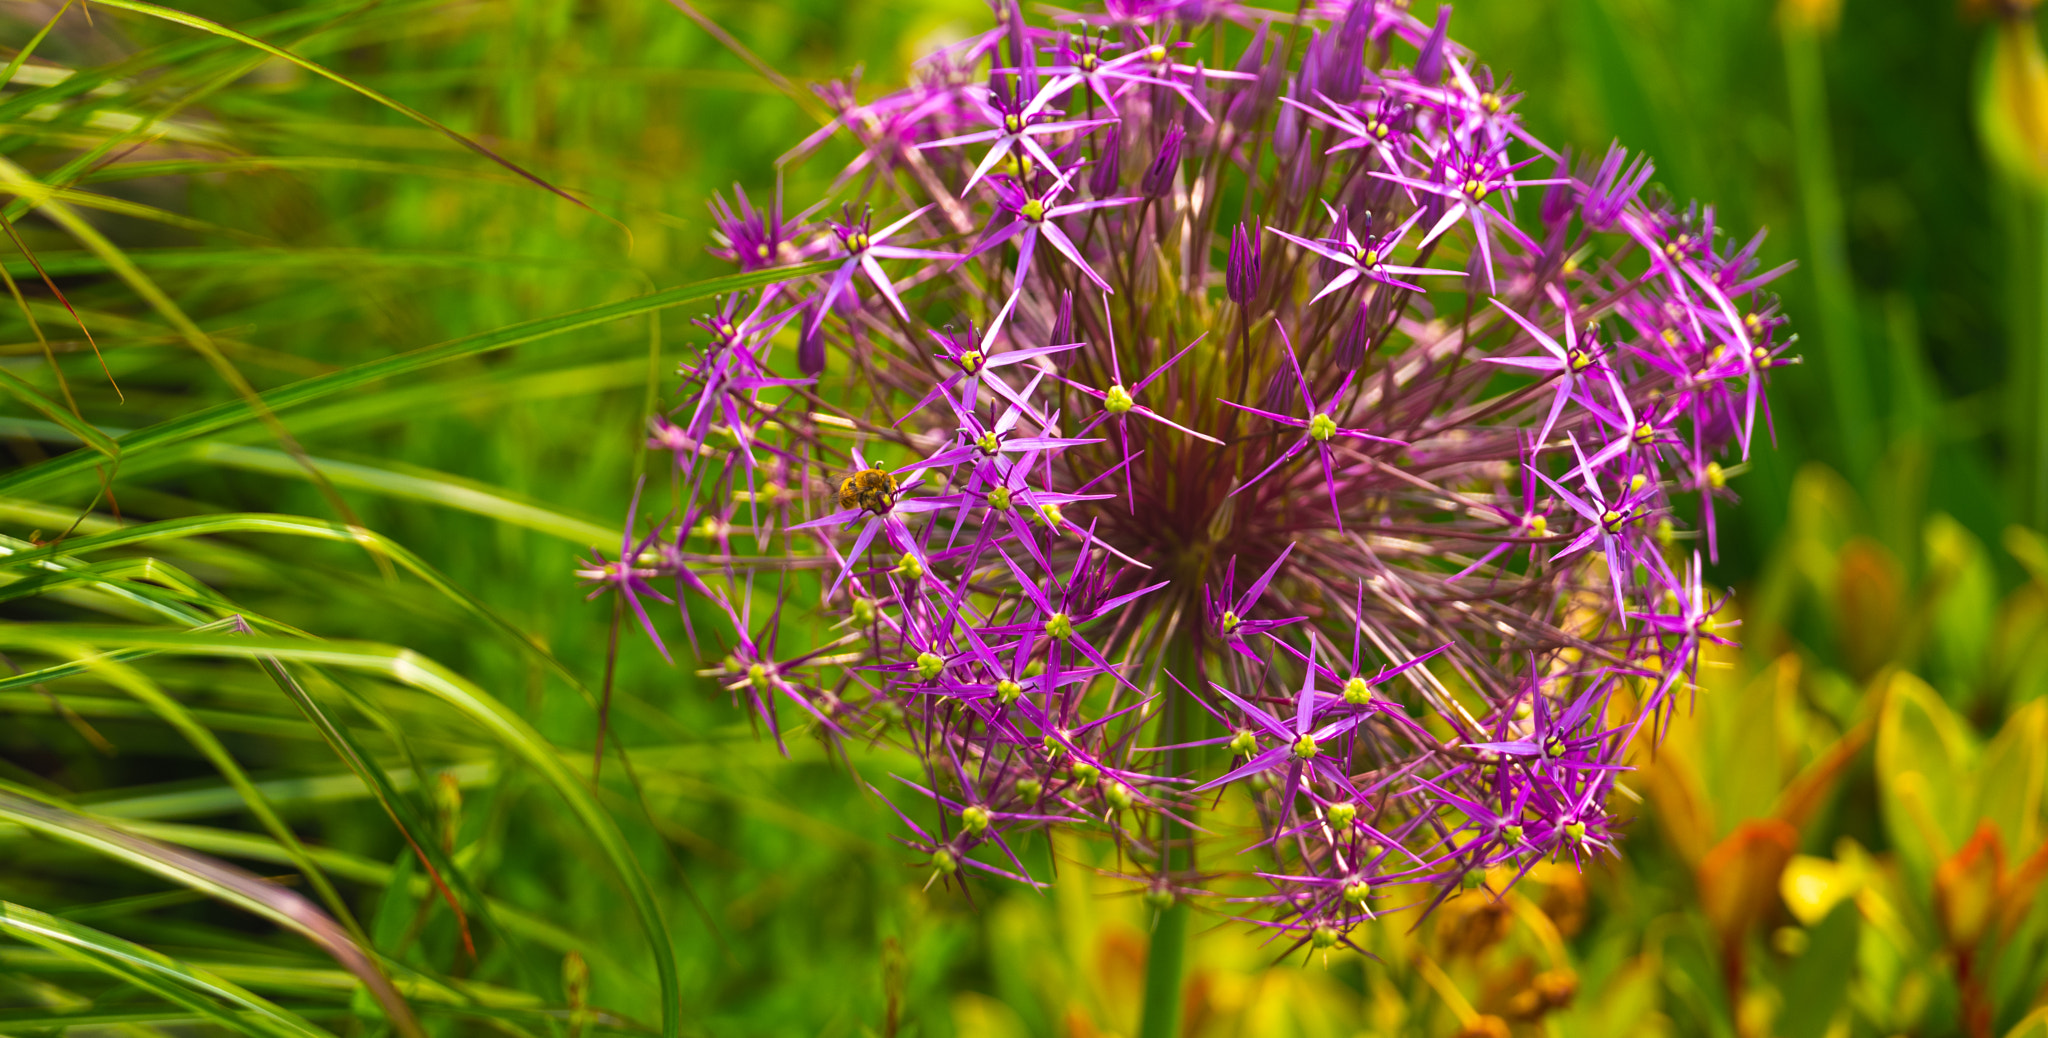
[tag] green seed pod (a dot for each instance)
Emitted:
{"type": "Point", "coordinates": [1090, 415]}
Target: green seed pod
{"type": "Point", "coordinates": [1120, 796]}
{"type": "Point", "coordinates": [1058, 627]}
{"type": "Point", "coordinates": [975, 817]}
{"type": "Point", "coordinates": [1357, 692]}
{"type": "Point", "coordinates": [909, 568]}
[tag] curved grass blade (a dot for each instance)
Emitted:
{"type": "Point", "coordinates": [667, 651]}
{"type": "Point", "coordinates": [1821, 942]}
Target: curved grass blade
{"type": "Point", "coordinates": [440, 868]}
{"type": "Point", "coordinates": [257, 847]}
{"type": "Point", "coordinates": [251, 893]}
{"type": "Point", "coordinates": [15, 178]}
{"type": "Point", "coordinates": [159, 974]}
{"type": "Point", "coordinates": [193, 21]}
{"type": "Point", "coordinates": [234, 412]}
{"type": "Point", "coordinates": [291, 525]}
{"type": "Point", "coordinates": [108, 81]}
{"type": "Point", "coordinates": [175, 714]}
{"type": "Point", "coordinates": [21, 390]}
{"type": "Point", "coordinates": [7, 74]}
{"type": "Point", "coordinates": [439, 488]}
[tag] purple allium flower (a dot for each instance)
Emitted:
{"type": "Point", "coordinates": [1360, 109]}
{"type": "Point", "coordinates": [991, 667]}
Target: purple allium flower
{"type": "Point", "coordinates": [1513, 402]}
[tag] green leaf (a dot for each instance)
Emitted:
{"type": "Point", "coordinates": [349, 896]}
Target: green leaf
{"type": "Point", "coordinates": [2035, 1025]}
{"type": "Point", "coordinates": [1964, 606]}
{"type": "Point", "coordinates": [2009, 781]}
{"type": "Point", "coordinates": [1925, 760]}
{"type": "Point", "coordinates": [1819, 980]}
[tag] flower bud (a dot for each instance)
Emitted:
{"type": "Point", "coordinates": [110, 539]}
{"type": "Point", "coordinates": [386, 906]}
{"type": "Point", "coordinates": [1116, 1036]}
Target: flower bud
{"type": "Point", "coordinates": [810, 352]}
{"type": "Point", "coordinates": [1278, 392]}
{"type": "Point", "coordinates": [1343, 72]}
{"type": "Point", "coordinates": [1063, 330]}
{"type": "Point", "coordinates": [1109, 165]}
{"type": "Point", "coordinates": [1356, 338]}
{"type": "Point", "coordinates": [1478, 276]}
{"type": "Point", "coordinates": [1429, 65]}
{"type": "Point", "coordinates": [1381, 307]}
{"type": "Point", "coordinates": [1159, 177]}
{"type": "Point", "coordinates": [1241, 274]}
{"type": "Point", "coordinates": [1561, 198]}
{"type": "Point", "coordinates": [1249, 107]}
{"type": "Point", "coordinates": [1309, 80]}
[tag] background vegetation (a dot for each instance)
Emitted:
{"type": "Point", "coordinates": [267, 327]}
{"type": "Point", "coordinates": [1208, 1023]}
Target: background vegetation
{"type": "Point", "coordinates": [1845, 839]}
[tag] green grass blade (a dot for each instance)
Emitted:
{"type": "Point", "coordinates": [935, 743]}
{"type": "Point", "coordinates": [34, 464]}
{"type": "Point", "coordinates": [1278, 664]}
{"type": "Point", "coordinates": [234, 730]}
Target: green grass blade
{"type": "Point", "coordinates": [58, 413]}
{"type": "Point", "coordinates": [439, 489]}
{"type": "Point", "coordinates": [509, 729]}
{"type": "Point", "coordinates": [159, 974]}
{"type": "Point", "coordinates": [231, 413]}
{"type": "Point", "coordinates": [193, 21]}
{"type": "Point", "coordinates": [290, 525]}
{"type": "Point", "coordinates": [218, 879]}
{"type": "Point", "coordinates": [14, 66]}
{"type": "Point", "coordinates": [201, 738]}
{"type": "Point", "coordinates": [440, 867]}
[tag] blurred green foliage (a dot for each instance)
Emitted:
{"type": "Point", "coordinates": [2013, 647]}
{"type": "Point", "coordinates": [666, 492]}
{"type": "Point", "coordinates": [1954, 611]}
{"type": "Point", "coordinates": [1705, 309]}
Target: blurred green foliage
{"type": "Point", "coordinates": [1844, 838]}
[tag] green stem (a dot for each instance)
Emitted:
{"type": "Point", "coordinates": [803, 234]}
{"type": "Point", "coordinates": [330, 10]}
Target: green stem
{"type": "Point", "coordinates": [1163, 973]}
{"type": "Point", "coordinates": [1846, 375]}
{"type": "Point", "coordinates": [1166, 959]}
{"type": "Point", "coordinates": [2028, 269]}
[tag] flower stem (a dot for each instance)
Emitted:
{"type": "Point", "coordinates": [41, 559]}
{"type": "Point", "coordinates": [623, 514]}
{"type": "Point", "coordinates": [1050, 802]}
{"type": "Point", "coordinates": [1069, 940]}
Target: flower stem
{"type": "Point", "coordinates": [1165, 959]}
{"type": "Point", "coordinates": [1163, 973]}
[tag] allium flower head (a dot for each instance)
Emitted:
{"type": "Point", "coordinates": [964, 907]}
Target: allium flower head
{"type": "Point", "coordinates": [1342, 326]}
